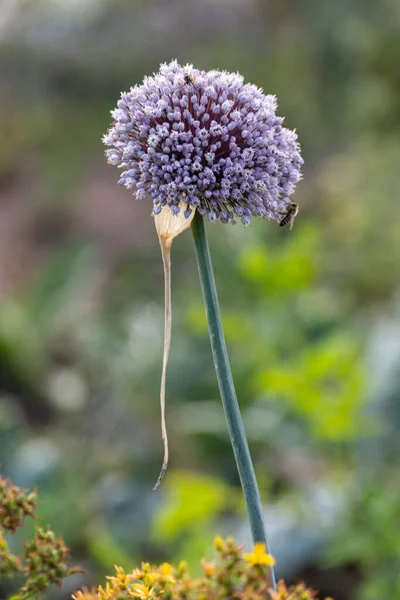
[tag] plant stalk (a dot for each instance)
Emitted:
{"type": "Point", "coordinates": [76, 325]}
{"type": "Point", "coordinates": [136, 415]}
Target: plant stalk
{"type": "Point", "coordinates": [227, 389]}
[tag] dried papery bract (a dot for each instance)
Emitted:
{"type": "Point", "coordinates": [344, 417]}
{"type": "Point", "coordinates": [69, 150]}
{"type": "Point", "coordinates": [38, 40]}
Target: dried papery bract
{"type": "Point", "coordinates": [168, 226]}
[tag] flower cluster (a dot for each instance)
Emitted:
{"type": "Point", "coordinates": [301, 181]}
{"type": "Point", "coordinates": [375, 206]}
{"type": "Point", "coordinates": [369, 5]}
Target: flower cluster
{"type": "Point", "coordinates": [15, 505]}
{"type": "Point", "coordinates": [295, 592]}
{"type": "Point", "coordinates": [233, 575]}
{"type": "Point", "coordinates": [207, 140]}
{"type": "Point", "coordinates": [9, 564]}
{"type": "Point", "coordinates": [44, 557]}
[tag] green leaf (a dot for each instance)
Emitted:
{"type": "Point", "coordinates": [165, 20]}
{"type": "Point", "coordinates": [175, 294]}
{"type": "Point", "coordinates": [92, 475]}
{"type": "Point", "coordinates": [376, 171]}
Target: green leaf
{"type": "Point", "coordinates": [191, 499]}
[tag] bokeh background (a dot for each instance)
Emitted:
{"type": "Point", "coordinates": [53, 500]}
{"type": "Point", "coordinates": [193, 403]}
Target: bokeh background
{"type": "Point", "coordinates": [312, 316]}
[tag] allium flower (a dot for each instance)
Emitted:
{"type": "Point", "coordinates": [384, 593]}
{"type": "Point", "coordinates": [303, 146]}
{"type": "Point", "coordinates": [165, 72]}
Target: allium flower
{"type": "Point", "coordinates": [202, 140]}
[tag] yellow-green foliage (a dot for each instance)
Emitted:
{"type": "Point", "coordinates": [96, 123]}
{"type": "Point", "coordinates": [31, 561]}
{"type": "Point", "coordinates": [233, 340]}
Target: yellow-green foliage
{"type": "Point", "coordinates": [324, 383]}
{"type": "Point", "coordinates": [192, 500]}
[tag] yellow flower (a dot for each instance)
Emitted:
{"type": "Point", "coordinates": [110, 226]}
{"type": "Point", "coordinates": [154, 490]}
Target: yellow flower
{"type": "Point", "coordinates": [230, 542]}
{"type": "Point", "coordinates": [219, 543]}
{"type": "Point", "coordinates": [165, 573]}
{"type": "Point", "coordinates": [3, 543]}
{"type": "Point", "coordinates": [259, 556]}
{"type": "Point", "coordinates": [122, 580]}
{"type": "Point", "coordinates": [208, 568]}
{"type": "Point", "coordinates": [137, 574]}
{"type": "Point", "coordinates": [183, 566]}
{"type": "Point", "coordinates": [105, 594]}
{"type": "Point", "coordinates": [150, 578]}
{"type": "Point", "coordinates": [142, 591]}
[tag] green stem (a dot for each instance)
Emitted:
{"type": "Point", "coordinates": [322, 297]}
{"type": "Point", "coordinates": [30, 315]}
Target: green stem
{"type": "Point", "coordinates": [227, 388]}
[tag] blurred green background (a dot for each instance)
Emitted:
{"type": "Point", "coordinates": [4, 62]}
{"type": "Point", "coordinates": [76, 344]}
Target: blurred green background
{"type": "Point", "coordinates": [312, 316]}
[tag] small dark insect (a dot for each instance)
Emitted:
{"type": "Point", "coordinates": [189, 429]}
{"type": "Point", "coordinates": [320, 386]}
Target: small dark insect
{"type": "Point", "coordinates": [289, 215]}
{"type": "Point", "coordinates": [189, 80]}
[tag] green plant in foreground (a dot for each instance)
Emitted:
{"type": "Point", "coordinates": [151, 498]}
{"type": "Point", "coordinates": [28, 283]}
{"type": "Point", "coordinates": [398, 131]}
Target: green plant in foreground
{"type": "Point", "coordinates": [233, 575]}
{"type": "Point", "coordinates": [44, 558]}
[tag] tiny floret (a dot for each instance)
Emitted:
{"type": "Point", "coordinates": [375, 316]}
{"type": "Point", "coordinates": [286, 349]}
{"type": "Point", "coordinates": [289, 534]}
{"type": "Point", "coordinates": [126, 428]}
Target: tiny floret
{"type": "Point", "coordinates": [259, 556]}
{"type": "Point", "coordinates": [208, 142]}
{"type": "Point", "coordinates": [219, 543]}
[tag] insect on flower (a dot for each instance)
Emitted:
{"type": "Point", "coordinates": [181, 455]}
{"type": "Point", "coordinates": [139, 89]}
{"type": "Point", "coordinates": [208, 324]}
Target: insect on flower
{"type": "Point", "coordinates": [190, 80]}
{"type": "Point", "coordinates": [289, 215]}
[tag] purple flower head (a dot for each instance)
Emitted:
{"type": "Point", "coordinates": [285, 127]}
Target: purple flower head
{"type": "Point", "coordinates": [205, 139]}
